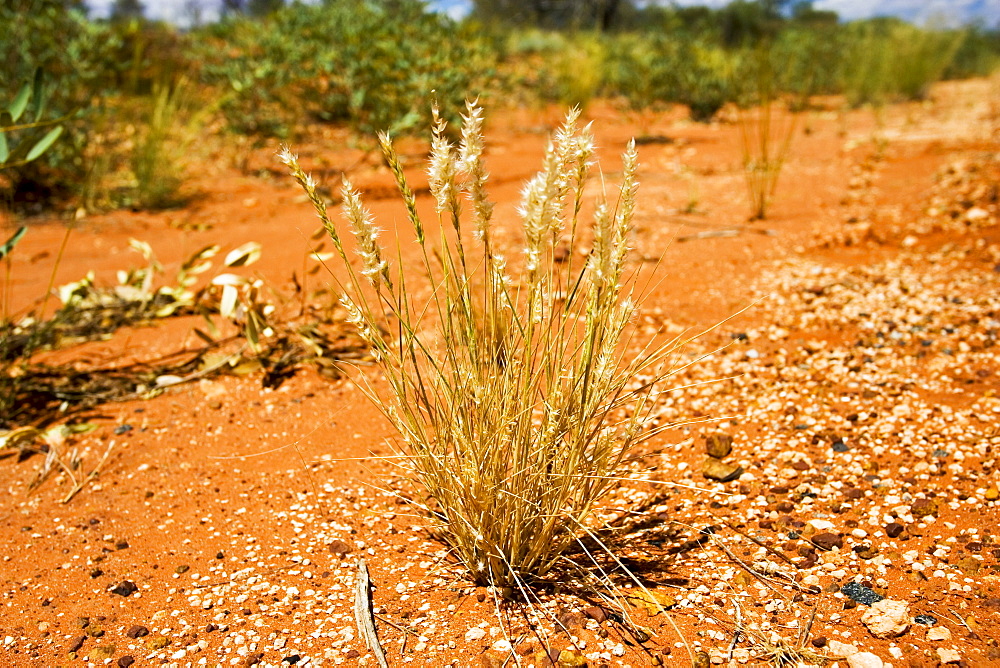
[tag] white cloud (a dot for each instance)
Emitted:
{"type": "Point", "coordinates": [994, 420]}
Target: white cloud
{"type": "Point", "coordinates": [918, 11]}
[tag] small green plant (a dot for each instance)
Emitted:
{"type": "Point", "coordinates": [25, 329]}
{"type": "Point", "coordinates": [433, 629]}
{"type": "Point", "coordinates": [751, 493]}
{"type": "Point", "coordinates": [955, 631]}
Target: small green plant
{"type": "Point", "coordinates": [766, 131]}
{"type": "Point", "coordinates": [155, 162]}
{"type": "Point", "coordinates": [515, 398]}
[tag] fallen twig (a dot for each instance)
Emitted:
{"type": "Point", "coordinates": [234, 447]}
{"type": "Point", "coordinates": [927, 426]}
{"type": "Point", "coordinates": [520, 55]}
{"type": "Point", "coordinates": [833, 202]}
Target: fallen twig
{"type": "Point", "coordinates": [363, 614]}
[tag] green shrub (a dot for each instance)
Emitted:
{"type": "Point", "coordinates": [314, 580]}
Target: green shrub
{"type": "Point", "coordinates": [369, 65]}
{"type": "Point", "coordinates": [886, 60]}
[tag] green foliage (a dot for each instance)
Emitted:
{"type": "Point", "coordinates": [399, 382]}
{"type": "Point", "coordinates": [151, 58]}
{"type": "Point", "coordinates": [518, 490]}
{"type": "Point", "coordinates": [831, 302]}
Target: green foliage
{"type": "Point", "coordinates": [887, 60]}
{"type": "Point", "coordinates": [370, 65]}
{"type": "Point", "coordinates": [977, 56]}
{"type": "Point", "coordinates": [31, 134]}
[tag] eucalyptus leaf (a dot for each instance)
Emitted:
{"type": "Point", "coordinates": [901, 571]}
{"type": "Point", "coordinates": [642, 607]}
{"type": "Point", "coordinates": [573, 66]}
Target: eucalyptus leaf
{"type": "Point", "coordinates": [10, 243]}
{"type": "Point", "coordinates": [38, 97]}
{"type": "Point", "coordinates": [4, 149]}
{"type": "Point", "coordinates": [44, 143]}
{"type": "Point", "coordinates": [20, 102]}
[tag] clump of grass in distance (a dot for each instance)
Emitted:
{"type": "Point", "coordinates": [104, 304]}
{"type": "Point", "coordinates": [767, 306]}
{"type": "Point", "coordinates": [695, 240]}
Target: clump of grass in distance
{"type": "Point", "coordinates": [155, 162]}
{"type": "Point", "coordinates": [514, 397]}
{"type": "Point", "coordinates": [766, 131]}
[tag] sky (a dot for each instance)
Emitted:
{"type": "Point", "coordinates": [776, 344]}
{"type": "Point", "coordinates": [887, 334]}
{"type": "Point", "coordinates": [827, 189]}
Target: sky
{"type": "Point", "coordinates": [917, 11]}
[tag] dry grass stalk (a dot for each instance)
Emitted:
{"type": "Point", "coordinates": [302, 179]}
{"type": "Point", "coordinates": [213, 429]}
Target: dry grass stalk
{"type": "Point", "coordinates": [515, 399]}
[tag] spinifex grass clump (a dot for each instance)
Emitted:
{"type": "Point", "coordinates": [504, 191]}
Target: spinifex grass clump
{"type": "Point", "coordinates": [514, 397]}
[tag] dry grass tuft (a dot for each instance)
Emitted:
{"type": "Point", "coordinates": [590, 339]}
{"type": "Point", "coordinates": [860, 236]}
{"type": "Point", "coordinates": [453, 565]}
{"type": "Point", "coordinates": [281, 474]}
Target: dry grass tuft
{"type": "Point", "coordinates": [515, 399]}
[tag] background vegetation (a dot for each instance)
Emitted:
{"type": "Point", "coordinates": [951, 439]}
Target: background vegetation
{"type": "Point", "coordinates": [135, 94]}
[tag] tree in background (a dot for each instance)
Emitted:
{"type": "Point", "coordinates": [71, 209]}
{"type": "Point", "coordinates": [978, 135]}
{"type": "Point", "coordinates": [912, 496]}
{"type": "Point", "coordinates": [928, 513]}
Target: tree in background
{"type": "Point", "coordinates": [263, 7]}
{"type": "Point", "coordinates": [127, 10]}
{"type": "Point", "coordinates": [553, 14]}
{"type": "Point", "coordinates": [251, 7]}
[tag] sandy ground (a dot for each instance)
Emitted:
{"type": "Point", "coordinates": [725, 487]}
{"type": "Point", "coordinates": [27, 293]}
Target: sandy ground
{"type": "Point", "coordinates": [856, 377]}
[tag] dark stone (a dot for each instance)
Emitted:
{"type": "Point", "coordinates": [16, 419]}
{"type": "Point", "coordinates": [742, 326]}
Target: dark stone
{"type": "Point", "coordinates": [713, 469]}
{"type": "Point", "coordinates": [893, 529]}
{"type": "Point", "coordinates": [125, 661]}
{"type": "Point", "coordinates": [292, 659]}
{"type": "Point", "coordinates": [923, 507]}
{"type": "Point", "coordinates": [339, 548]}
{"type": "Point", "coordinates": [597, 613]}
{"type": "Point", "coordinates": [926, 620]}
{"type": "Point", "coordinates": [76, 644]}
{"type": "Point", "coordinates": [827, 541]}
{"type": "Point", "coordinates": [860, 594]}
{"type": "Point", "coordinates": [819, 642]}
{"type": "Point", "coordinates": [137, 631]}
{"type": "Point", "coordinates": [352, 654]}
{"type": "Point", "coordinates": [126, 588]}
{"type": "Point", "coordinates": [123, 429]}
{"type": "Point", "coordinates": [96, 572]}
{"type": "Point", "coordinates": [570, 620]}
{"type": "Point", "coordinates": [253, 659]}
{"type": "Point", "coordinates": [121, 545]}
{"type": "Point", "coordinates": [718, 445]}
{"type": "Point", "coordinates": [840, 446]}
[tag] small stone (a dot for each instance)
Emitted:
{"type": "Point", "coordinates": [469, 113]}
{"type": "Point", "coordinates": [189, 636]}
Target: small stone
{"type": "Point", "coordinates": [339, 548]}
{"type": "Point", "coordinates": [887, 618]}
{"type": "Point", "coordinates": [841, 650]}
{"type": "Point", "coordinates": [948, 655]}
{"type": "Point", "coordinates": [125, 661]}
{"type": "Point", "coordinates": [926, 620]}
{"type": "Point", "coordinates": [76, 644]}
{"type": "Point", "coordinates": [702, 660]}
{"type": "Point", "coordinates": [893, 529]}
{"type": "Point", "coordinates": [821, 525]}
{"type": "Point", "coordinates": [102, 652]}
{"type": "Point", "coordinates": [474, 634]}
{"type": "Point", "coordinates": [861, 594]}
{"type": "Point", "coordinates": [126, 588]}
{"type": "Point", "coordinates": [924, 508]}
{"type": "Point", "coordinates": [938, 633]}
{"type": "Point", "coordinates": [827, 541]}
{"type": "Point", "coordinates": [969, 566]}
{"type": "Point", "coordinates": [992, 494]}
{"type": "Point", "coordinates": [96, 572]}
{"type": "Point", "coordinates": [864, 660]}
{"type": "Point", "coordinates": [713, 469]}
{"type": "Point", "coordinates": [156, 643]}
{"type": "Point", "coordinates": [598, 614]}
{"type": "Point", "coordinates": [570, 620]}
{"type": "Point", "coordinates": [570, 659]}
{"type": "Point", "coordinates": [182, 569]}
{"type": "Point", "coordinates": [502, 645]}
{"type": "Point", "coordinates": [137, 631]}
{"type": "Point", "coordinates": [718, 445]}
{"type": "Point", "coordinates": [819, 642]}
